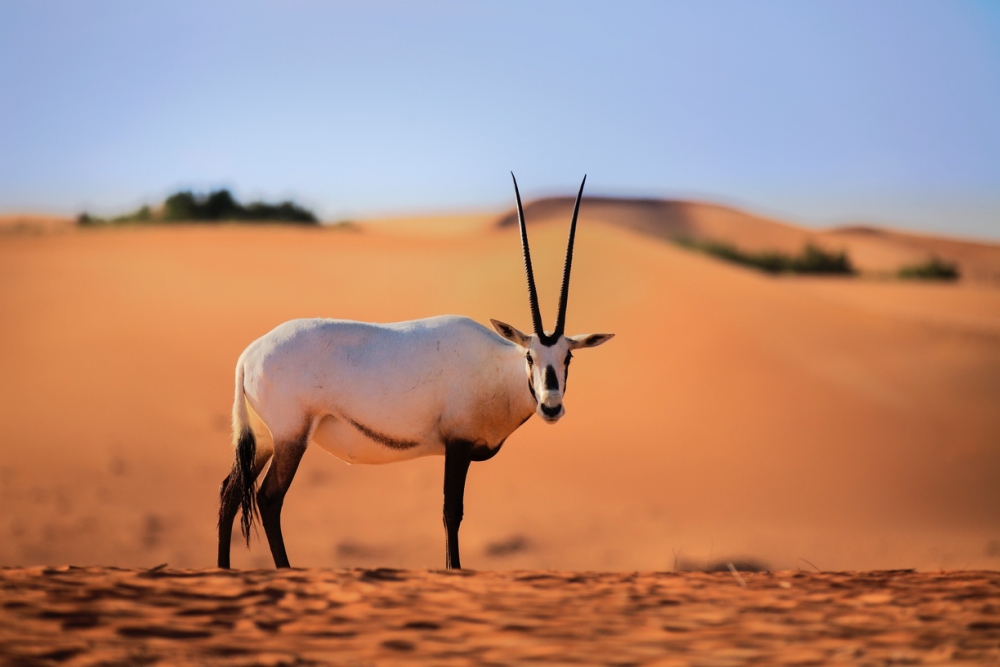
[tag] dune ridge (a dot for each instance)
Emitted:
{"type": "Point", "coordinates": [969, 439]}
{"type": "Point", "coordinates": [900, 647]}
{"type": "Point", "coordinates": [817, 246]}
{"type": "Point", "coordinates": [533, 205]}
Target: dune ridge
{"type": "Point", "coordinates": [872, 249]}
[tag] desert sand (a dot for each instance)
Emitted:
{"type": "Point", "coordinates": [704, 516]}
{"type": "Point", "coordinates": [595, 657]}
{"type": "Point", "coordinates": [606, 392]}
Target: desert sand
{"type": "Point", "coordinates": [104, 616]}
{"type": "Point", "coordinates": [851, 423]}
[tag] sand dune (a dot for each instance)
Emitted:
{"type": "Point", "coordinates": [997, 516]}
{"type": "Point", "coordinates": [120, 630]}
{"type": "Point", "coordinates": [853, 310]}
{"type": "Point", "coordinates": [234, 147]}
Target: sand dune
{"type": "Point", "coordinates": [872, 249]}
{"type": "Point", "coordinates": [852, 423]}
{"type": "Point", "coordinates": [381, 616]}
{"type": "Point", "coordinates": [32, 222]}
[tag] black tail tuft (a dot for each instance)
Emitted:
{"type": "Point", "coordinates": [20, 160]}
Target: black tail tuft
{"type": "Point", "coordinates": [242, 481]}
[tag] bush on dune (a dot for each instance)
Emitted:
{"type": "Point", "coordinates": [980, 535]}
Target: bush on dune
{"type": "Point", "coordinates": [933, 269]}
{"type": "Point", "coordinates": [141, 214]}
{"type": "Point", "coordinates": [812, 259]}
{"type": "Point", "coordinates": [220, 205]}
{"type": "Point", "coordinates": [216, 206]}
{"type": "Point", "coordinates": [816, 260]}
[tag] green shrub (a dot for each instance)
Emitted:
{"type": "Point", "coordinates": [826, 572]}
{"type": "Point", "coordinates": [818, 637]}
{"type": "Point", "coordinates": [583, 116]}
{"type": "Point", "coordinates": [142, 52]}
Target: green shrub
{"type": "Point", "coordinates": [812, 259]}
{"type": "Point", "coordinates": [286, 211]}
{"type": "Point", "coordinates": [180, 206]}
{"type": "Point", "coordinates": [220, 205]}
{"type": "Point", "coordinates": [216, 206]}
{"type": "Point", "coordinates": [141, 214]}
{"type": "Point", "coordinates": [933, 269]}
{"type": "Point", "coordinates": [816, 260]}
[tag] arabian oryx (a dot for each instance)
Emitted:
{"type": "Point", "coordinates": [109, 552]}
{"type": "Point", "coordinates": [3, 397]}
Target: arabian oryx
{"type": "Point", "coordinates": [379, 393]}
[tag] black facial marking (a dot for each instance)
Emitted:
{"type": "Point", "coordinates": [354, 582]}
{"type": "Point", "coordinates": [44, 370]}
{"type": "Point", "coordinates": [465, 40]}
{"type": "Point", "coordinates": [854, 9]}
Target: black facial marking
{"type": "Point", "coordinates": [551, 381]}
{"type": "Point", "coordinates": [531, 388]}
{"type": "Point", "coordinates": [551, 412]}
{"type": "Point", "coordinates": [548, 341]}
{"type": "Point", "coordinates": [382, 439]}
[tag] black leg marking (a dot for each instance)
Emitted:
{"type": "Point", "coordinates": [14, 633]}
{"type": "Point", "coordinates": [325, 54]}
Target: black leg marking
{"type": "Point", "coordinates": [483, 453]}
{"type": "Point", "coordinates": [271, 495]}
{"type": "Point", "coordinates": [457, 457]}
{"type": "Point", "coordinates": [229, 504]}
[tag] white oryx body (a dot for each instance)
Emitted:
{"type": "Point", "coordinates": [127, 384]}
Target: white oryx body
{"type": "Point", "coordinates": [381, 393]}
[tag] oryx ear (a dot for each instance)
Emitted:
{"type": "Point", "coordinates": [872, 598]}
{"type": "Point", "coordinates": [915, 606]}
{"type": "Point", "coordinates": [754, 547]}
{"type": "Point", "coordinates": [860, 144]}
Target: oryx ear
{"type": "Point", "coordinates": [511, 334]}
{"type": "Point", "coordinates": [588, 340]}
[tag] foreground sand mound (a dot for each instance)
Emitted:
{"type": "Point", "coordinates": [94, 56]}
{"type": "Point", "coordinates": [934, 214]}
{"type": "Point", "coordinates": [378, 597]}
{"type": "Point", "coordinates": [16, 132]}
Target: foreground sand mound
{"type": "Point", "coordinates": [85, 616]}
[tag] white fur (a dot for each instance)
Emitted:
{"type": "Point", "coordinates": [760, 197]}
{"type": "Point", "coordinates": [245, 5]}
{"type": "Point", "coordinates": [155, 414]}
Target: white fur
{"type": "Point", "coordinates": [426, 381]}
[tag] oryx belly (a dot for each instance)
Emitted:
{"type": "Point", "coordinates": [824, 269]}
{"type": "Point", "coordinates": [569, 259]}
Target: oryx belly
{"type": "Point", "coordinates": [344, 439]}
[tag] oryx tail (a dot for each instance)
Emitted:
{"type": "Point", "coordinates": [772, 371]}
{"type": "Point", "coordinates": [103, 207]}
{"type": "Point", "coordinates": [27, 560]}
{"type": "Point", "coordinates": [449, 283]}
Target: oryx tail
{"type": "Point", "coordinates": [242, 478]}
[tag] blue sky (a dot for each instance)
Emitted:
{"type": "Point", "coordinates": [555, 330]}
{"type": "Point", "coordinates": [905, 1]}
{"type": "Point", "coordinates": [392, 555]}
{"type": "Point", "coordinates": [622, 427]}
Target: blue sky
{"type": "Point", "coordinates": [818, 112]}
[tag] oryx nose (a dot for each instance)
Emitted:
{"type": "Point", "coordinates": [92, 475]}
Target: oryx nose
{"type": "Point", "coordinates": [551, 412]}
{"type": "Point", "coordinates": [551, 381]}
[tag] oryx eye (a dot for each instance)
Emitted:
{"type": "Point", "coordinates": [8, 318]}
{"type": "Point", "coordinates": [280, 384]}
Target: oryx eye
{"type": "Point", "coordinates": [531, 362]}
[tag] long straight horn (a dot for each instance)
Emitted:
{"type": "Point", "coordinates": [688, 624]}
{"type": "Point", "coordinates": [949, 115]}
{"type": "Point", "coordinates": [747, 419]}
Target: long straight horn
{"type": "Point", "coordinates": [564, 294]}
{"type": "Point", "coordinates": [536, 314]}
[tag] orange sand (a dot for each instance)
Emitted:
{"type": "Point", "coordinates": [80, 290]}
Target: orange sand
{"type": "Point", "coordinates": [101, 616]}
{"type": "Point", "coordinates": [852, 423]}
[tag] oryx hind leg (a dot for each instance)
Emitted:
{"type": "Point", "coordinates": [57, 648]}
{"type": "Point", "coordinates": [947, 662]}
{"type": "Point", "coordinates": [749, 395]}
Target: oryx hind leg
{"type": "Point", "coordinates": [229, 505]}
{"type": "Point", "coordinates": [271, 496]}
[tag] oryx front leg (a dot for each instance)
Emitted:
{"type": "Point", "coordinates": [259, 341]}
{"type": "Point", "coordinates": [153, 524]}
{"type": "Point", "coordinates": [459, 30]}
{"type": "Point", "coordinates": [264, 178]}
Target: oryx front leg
{"type": "Point", "coordinates": [457, 457]}
{"type": "Point", "coordinates": [271, 495]}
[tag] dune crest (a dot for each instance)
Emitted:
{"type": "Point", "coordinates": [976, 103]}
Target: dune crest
{"type": "Point", "coordinates": [872, 249]}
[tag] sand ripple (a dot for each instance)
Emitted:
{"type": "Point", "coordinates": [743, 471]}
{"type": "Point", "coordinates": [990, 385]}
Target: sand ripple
{"type": "Point", "coordinates": [99, 615]}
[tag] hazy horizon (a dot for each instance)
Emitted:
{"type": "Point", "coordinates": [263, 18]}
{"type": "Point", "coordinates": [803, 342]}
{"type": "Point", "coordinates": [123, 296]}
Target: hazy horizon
{"type": "Point", "coordinates": [820, 114]}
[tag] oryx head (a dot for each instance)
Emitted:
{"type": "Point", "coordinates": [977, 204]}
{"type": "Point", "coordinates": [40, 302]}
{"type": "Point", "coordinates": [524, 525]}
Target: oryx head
{"type": "Point", "coordinates": [547, 355]}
